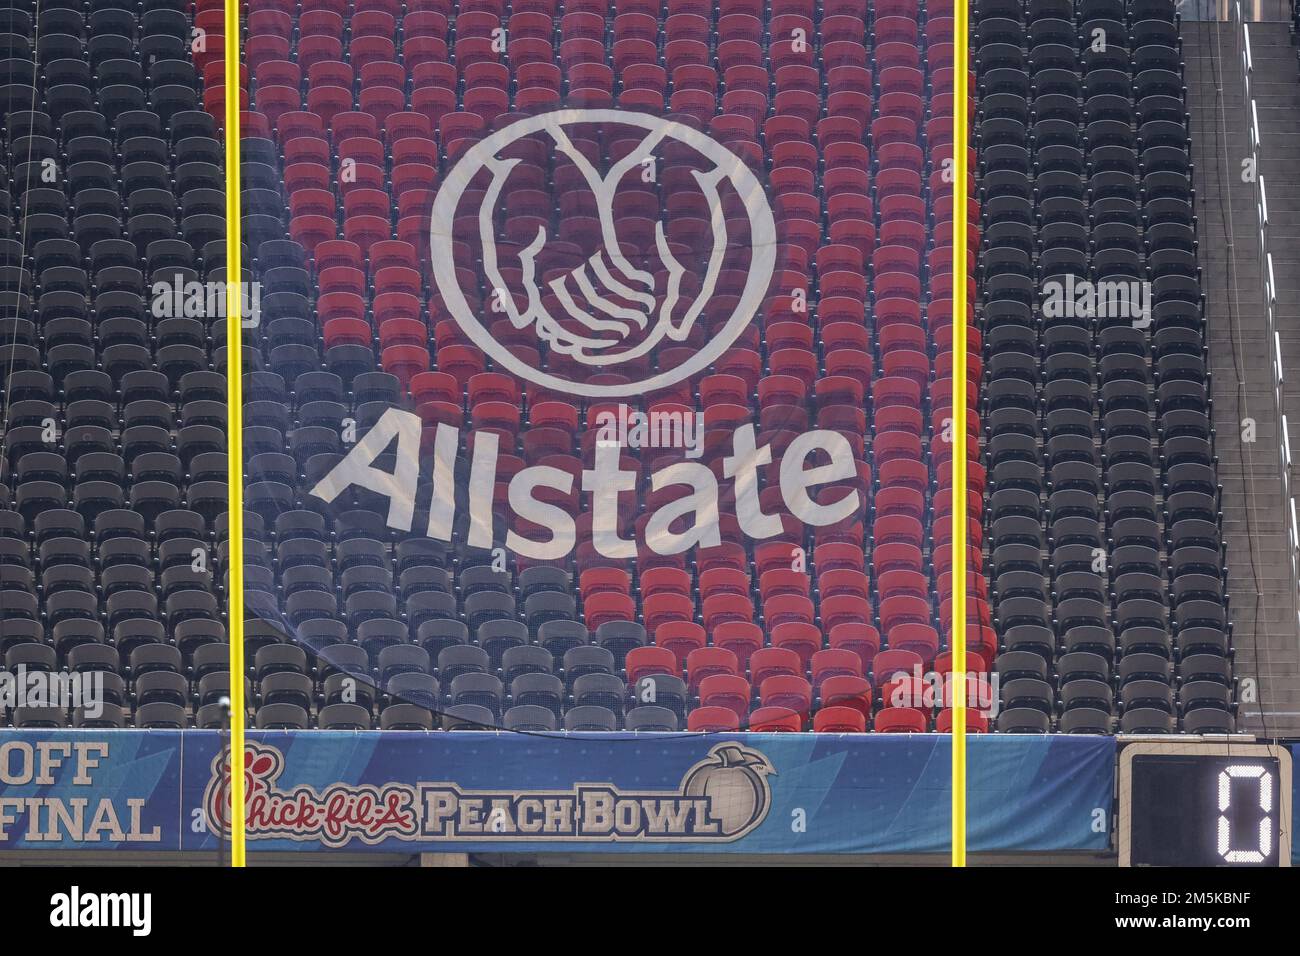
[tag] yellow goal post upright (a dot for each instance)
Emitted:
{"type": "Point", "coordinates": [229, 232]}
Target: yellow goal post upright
{"type": "Point", "coordinates": [960, 541]}
{"type": "Point", "coordinates": [235, 428]}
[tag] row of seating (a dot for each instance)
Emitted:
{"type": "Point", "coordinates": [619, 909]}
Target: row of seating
{"type": "Point", "coordinates": [522, 718]}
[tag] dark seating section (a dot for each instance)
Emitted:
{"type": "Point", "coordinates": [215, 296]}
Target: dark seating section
{"type": "Point", "coordinates": [1105, 561]}
{"type": "Point", "coordinates": [844, 109]}
{"type": "Point", "coordinates": [113, 467]}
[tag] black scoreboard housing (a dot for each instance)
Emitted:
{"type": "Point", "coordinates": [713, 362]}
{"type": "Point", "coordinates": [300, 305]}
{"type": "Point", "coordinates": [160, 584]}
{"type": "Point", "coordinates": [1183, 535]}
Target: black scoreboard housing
{"type": "Point", "coordinates": [1204, 803]}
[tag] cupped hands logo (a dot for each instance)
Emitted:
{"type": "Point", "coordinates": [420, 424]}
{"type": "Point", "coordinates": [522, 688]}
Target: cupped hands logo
{"type": "Point", "coordinates": [604, 312]}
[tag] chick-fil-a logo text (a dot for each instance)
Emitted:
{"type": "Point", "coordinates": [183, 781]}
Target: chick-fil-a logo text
{"type": "Point", "coordinates": [333, 816]}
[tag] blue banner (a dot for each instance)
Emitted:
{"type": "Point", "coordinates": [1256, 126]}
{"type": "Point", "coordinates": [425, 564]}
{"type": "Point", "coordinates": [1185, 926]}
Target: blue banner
{"type": "Point", "coordinates": [1295, 805]}
{"type": "Point", "coordinates": [509, 792]}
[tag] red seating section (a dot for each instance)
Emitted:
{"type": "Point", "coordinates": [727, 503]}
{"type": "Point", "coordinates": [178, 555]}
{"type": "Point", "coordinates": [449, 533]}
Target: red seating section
{"type": "Point", "coordinates": [844, 114]}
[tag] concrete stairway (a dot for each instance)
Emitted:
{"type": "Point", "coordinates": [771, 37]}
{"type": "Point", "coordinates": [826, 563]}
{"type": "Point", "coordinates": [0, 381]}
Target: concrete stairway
{"type": "Point", "coordinates": [1256, 519]}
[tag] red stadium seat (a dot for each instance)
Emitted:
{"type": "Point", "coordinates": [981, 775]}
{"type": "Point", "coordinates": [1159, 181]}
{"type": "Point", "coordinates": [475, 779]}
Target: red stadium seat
{"type": "Point", "coordinates": [726, 690]}
{"type": "Point", "coordinates": [681, 638]}
{"type": "Point", "coordinates": [976, 722]}
{"type": "Point", "coordinates": [773, 661]}
{"type": "Point", "coordinates": [846, 690]}
{"type": "Point", "coordinates": [774, 720]}
{"type": "Point", "coordinates": [860, 638]}
{"type": "Point", "coordinates": [839, 720]}
{"type": "Point", "coordinates": [713, 720]}
{"type": "Point", "coordinates": [900, 720]}
{"type": "Point", "coordinates": [803, 638]}
{"type": "Point", "coordinates": [706, 661]}
{"type": "Point", "coordinates": [646, 661]}
{"type": "Point", "coordinates": [783, 690]}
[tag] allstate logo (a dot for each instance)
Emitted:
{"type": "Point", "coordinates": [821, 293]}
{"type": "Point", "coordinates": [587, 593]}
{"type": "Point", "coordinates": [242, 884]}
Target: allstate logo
{"type": "Point", "coordinates": [615, 282]}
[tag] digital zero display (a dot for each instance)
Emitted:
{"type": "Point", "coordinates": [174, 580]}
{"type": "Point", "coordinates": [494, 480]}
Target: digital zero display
{"type": "Point", "coordinates": [1204, 805]}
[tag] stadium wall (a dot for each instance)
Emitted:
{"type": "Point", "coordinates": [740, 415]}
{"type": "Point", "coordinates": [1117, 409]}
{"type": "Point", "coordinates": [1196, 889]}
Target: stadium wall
{"type": "Point", "coordinates": [477, 792]}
